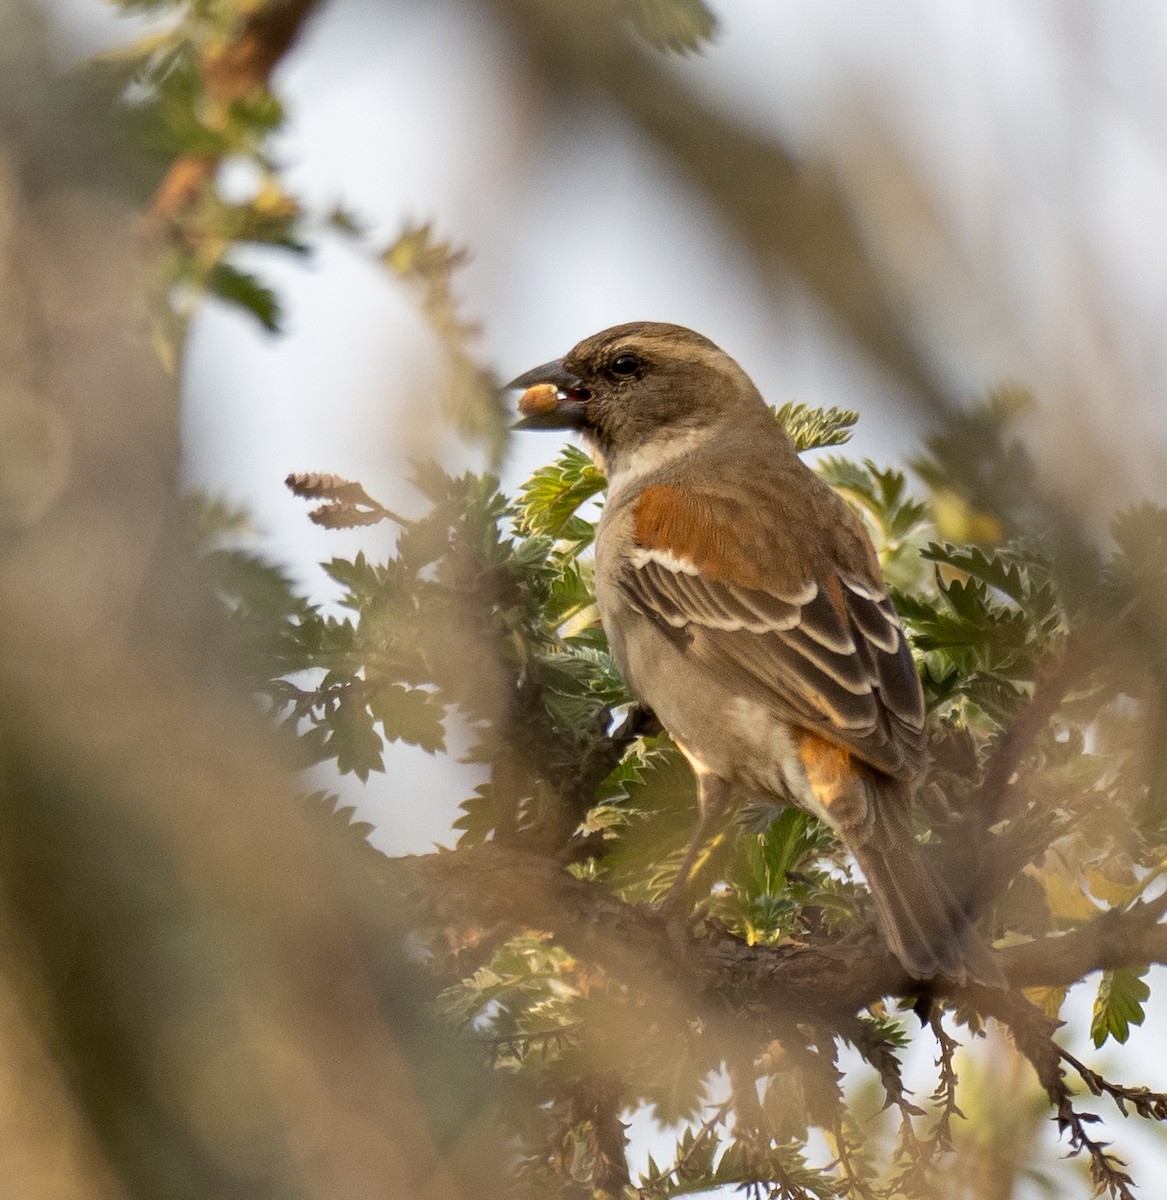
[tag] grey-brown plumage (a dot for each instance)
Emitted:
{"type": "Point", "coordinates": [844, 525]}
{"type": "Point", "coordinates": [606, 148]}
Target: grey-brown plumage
{"type": "Point", "coordinates": [744, 604]}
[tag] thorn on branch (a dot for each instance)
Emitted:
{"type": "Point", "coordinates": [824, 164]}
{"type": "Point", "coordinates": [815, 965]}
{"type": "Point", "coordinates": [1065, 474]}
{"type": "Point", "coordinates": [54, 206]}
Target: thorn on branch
{"type": "Point", "coordinates": [1106, 1170]}
{"type": "Point", "coordinates": [1148, 1104]}
{"type": "Point", "coordinates": [945, 1093]}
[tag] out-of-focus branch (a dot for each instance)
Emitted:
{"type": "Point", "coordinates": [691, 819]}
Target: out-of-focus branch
{"type": "Point", "coordinates": [494, 886]}
{"type": "Point", "coordinates": [1115, 939]}
{"type": "Point", "coordinates": [230, 75]}
{"type": "Point", "coordinates": [185, 1007]}
{"type": "Point", "coordinates": [265, 37]}
{"type": "Point", "coordinates": [990, 801]}
{"type": "Point", "coordinates": [765, 992]}
{"type": "Point", "coordinates": [791, 214]}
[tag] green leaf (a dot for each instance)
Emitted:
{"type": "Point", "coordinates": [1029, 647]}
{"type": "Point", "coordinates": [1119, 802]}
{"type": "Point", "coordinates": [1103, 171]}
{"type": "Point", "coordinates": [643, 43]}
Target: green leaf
{"type": "Point", "coordinates": [676, 1083]}
{"type": "Point", "coordinates": [662, 793]}
{"type": "Point", "coordinates": [977, 458]}
{"type": "Point", "coordinates": [679, 26]}
{"type": "Point", "coordinates": [1140, 532]}
{"type": "Point", "coordinates": [813, 428]}
{"type": "Point", "coordinates": [790, 842]}
{"type": "Point", "coordinates": [1119, 1004]}
{"type": "Point", "coordinates": [897, 520]}
{"type": "Point", "coordinates": [993, 569]}
{"type": "Point", "coordinates": [881, 493]}
{"type": "Point", "coordinates": [785, 1163]}
{"type": "Point", "coordinates": [340, 819]}
{"type": "Point", "coordinates": [353, 740]}
{"type": "Point", "coordinates": [245, 291]}
{"type": "Point", "coordinates": [549, 499]}
{"type": "Point", "coordinates": [1135, 579]}
{"type": "Point", "coordinates": [479, 816]}
{"type": "Point", "coordinates": [212, 518]}
{"type": "Point", "coordinates": [522, 989]}
{"type": "Point", "coordinates": [244, 579]}
{"type": "Point", "coordinates": [358, 577]}
{"type": "Point", "coordinates": [695, 1155]}
{"type": "Point", "coordinates": [410, 715]}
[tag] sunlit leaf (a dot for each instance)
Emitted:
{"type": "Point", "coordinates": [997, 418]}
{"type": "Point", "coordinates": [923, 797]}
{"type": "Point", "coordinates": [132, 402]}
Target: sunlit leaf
{"type": "Point", "coordinates": [1119, 1004]}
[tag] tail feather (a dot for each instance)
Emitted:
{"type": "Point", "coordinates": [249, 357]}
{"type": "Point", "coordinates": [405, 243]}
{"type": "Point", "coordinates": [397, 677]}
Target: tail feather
{"type": "Point", "coordinates": [925, 927]}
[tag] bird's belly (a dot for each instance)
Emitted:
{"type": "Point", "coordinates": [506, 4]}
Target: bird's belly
{"type": "Point", "coordinates": [720, 731]}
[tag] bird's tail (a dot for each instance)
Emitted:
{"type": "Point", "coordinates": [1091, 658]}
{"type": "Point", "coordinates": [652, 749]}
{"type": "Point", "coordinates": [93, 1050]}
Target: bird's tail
{"type": "Point", "coordinates": [925, 926]}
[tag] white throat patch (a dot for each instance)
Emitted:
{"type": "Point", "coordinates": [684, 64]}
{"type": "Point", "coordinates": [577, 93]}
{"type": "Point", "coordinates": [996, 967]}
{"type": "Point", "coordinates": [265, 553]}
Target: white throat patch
{"type": "Point", "coordinates": [650, 456]}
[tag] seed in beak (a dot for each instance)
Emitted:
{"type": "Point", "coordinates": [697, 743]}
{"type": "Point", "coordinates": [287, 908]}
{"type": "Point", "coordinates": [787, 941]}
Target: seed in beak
{"type": "Point", "coordinates": [538, 400]}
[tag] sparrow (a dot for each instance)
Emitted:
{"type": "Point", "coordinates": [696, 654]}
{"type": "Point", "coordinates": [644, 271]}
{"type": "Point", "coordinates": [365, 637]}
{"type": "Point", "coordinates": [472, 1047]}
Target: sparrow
{"type": "Point", "coordinates": [744, 604]}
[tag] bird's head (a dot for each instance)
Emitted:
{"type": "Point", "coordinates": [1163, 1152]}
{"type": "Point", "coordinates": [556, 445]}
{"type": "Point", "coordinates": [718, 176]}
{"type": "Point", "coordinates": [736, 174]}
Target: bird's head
{"type": "Point", "coordinates": [635, 385]}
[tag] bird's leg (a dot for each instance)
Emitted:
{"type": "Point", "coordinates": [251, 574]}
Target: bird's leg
{"type": "Point", "coordinates": [712, 798]}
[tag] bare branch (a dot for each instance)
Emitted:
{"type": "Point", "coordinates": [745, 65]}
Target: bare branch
{"type": "Point", "coordinates": [1106, 1170]}
{"type": "Point", "coordinates": [945, 1093]}
{"type": "Point", "coordinates": [1148, 1104]}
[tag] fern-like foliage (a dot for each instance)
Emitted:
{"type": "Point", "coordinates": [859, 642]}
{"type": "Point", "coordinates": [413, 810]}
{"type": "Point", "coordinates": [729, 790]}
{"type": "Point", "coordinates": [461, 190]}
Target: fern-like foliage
{"type": "Point", "coordinates": [816, 428]}
{"type": "Point", "coordinates": [678, 26]}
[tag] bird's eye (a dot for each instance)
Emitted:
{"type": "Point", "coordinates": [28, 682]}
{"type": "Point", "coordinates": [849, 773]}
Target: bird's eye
{"type": "Point", "coordinates": [625, 364]}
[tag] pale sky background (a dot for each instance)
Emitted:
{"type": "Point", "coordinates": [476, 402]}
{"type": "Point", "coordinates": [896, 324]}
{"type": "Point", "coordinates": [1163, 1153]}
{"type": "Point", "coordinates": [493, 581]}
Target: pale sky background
{"type": "Point", "coordinates": [1034, 134]}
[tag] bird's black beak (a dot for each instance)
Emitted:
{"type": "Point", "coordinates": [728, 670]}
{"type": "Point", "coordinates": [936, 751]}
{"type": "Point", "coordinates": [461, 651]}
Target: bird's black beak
{"type": "Point", "coordinates": [555, 398]}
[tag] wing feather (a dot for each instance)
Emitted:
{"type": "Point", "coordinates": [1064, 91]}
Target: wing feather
{"type": "Point", "coordinates": [838, 667]}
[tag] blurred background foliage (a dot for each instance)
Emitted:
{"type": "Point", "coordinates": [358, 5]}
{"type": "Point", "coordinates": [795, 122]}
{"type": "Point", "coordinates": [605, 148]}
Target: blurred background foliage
{"type": "Point", "coordinates": [213, 985]}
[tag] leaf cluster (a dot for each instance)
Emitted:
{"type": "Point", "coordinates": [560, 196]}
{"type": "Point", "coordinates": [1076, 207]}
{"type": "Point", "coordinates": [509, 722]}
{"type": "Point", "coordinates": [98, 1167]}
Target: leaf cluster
{"type": "Point", "coordinates": [471, 398]}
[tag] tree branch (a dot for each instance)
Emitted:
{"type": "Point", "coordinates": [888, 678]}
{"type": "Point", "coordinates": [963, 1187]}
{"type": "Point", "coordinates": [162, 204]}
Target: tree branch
{"type": "Point", "coordinates": [771, 992]}
{"type": "Point", "coordinates": [1112, 940]}
{"type": "Point", "coordinates": [760, 986]}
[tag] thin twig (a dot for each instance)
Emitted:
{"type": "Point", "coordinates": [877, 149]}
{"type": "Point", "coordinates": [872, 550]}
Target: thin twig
{"type": "Point", "coordinates": [1148, 1104]}
{"type": "Point", "coordinates": [1053, 680]}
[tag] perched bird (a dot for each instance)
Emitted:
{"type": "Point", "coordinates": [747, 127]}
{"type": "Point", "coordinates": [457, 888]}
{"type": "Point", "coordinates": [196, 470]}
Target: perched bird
{"type": "Point", "coordinates": [744, 604]}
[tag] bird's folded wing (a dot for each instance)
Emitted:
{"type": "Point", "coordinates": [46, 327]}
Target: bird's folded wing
{"type": "Point", "coordinates": [825, 653]}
